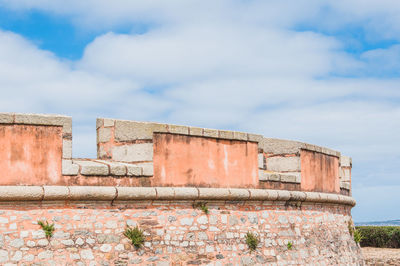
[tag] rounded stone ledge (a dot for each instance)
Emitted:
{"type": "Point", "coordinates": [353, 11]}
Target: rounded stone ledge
{"type": "Point", "coordinates": [329, 198]}
{"type": "Point", "coordinates": [165, 193]}
{"type": "Point", "coordinates": [298, 196]}
{"type": "Point", "coordinates": [98, 193]}
{"type": "Point", "coordinates": [215, 193]}
{"type": "Point", "coordinates": [239, 194]}
{"type": "Point", "coordinates": [21, 193]}
{"type": "Point", "coordinates": [136, 193]}
{"type": "Point", "coordinates": [92, 193]}
{"type": "Point", "coordinates": [313, 197]}
{"type": "Point", "coordinates": [263, 194]}
{"type": "Point", "coordinates": [186, 193]}
{"type": "Point", "coordinates": [55, 193]}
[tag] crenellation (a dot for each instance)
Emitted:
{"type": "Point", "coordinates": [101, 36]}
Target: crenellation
{"type": "Point", "coordinates": [195, 193]}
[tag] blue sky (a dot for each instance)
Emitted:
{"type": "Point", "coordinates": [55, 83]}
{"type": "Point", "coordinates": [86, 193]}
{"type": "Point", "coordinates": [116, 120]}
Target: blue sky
{"type": "Point", "coordinates": [326, 73]}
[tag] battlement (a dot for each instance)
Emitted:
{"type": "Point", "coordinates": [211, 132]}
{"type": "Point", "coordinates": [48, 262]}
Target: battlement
{"type": "Point", "coordinates": [37, 150]}
{"type": "Point", "coordinates": [155, 176]}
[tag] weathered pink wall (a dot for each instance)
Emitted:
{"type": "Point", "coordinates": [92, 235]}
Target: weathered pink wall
{"type": "Point", "coordinates": [181, 160]}
{"type": "Point", "coordinates": [30, 155]}
{"type": "Point", "coordinates": [319, 172]}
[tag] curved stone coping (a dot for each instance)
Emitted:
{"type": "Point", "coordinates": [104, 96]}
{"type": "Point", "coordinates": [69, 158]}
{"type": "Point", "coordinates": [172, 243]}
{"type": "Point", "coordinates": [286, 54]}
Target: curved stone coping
{"type": "Point", "coordinates": [103, 193]}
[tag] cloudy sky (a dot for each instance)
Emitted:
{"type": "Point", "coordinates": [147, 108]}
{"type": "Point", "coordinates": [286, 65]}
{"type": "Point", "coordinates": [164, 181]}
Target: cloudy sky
{"type": "Point", "coordinates": [324, 72]}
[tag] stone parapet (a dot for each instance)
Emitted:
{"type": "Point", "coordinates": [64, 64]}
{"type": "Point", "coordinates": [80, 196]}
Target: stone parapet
{"type": "Point", "coordinates": [169, 155]}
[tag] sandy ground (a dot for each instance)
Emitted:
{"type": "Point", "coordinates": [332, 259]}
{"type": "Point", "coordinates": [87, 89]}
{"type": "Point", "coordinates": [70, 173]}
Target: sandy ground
{"type": "Point", "coordinates": [381, 256]}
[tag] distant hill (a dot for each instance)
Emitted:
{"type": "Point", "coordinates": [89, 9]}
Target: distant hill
{"type": "Point", "coordinates": [381, 223]}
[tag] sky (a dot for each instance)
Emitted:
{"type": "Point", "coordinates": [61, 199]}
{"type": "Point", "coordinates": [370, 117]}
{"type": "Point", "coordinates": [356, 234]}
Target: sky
{"type": "Point", "coordinates": [322, 72]}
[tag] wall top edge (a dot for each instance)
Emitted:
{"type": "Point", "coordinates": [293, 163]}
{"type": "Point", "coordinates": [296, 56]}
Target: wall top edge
{"type": "Point", "coordinates": [274, 145]}
{"type": "Point", "coordinates": [38, 119]}
{"type": "Point", "coordinates": [283, 146]}
{"type": "Point", "coordinates": [109, 193]}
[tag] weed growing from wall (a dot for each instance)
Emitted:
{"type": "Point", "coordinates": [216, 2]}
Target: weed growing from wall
{"type": "Point", "coordinates": [357, 236]}
{"type": "Point", "coordinates": [251, 241]}
{"type": "Point", "coordinates": [47, 228]}
{"type": "Point", "coordinates": [135, 235]}
{"type": "Point", "coordinates": [202, 206]}
{"type": "Point", "coordinates": [350, 226]}
{"type": "Point", "coordinates": [289, 245]}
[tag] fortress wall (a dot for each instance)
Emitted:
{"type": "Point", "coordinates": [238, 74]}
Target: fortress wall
{"type": "Point", "coordinates": [154, 175]}
{"type": "Point", "coordinates": [90, 223]}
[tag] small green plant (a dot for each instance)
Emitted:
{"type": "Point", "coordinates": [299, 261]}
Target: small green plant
{"type": "Point", "coordinates": [135, 235]}
{"type": "Point", "coordinates": [251, 241]}
{"type": "Point", "coordinates": [202, 206]}
{"type": "Point", "coordinates": [350, 226]}
{"type": "Point", "coordinates": [289, 245]}
{"type": "Point", "coordinates": [47, 228]}
{"type": "Point", "coordinates": [357, 236]}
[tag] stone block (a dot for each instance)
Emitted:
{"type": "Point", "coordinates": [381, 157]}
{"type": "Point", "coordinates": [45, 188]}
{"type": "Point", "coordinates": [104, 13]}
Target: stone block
{"type": "Point", "coordinates": [261, 161]}
{"type": "Point", "coordinates": [239, 194]}
{"type": "Point", "coordinates": [313, 196]}
{"type": "Point", "coordinates": [47, 120]}
{"type": "Point", "coordinates": [133, 170]}
{"type": "Point", "coordinates": [259, 194]}
{"type": "Point", "coordinates": [68, 168]}
{"type": "Point", "coordinates": [117, 169]}
{"type": "Point", "coordinates": [133, 152]}
{"type": "Point", "coordinates": [254, 137]}
{"type": "Point", "coordinates": [175, 129]}
{"type": "Point", "coordinates": [16, 193]}
{"type": "Point", "coordinates": [225, 134]}
{"type": "Point", "coordinates": [147, 169]}
{"type": "Point", "coordinates": [345, 174]}
{"type": "Point", "coordinates": [131, 130]}
{"type": "Point", "coordinates": [281, 163]}
{"type": "Point", "coordinates": [289, 177]}
{"type": "Point", "coordinates": [262, 175]}
{"type": "Point", "coordinates": [101, 152]}
{"type": "Point", "coordinates": [67, 149]}
{"type": "Point", "coordinates": [103, 135]}
{"type": "Point", "coordinates": [186, 193]}
{"type": "Point", "coordinates": [272, 176]}
{"type": "Point", "coordinates": [6, 118]}
{"type": "Point", "coordinates": [214, 193]}
{"type": "Point", "coordinates": [92, 168]}
{"type": "Point", "coordinates": [92, 193]}
{"type": "Point", "coordinates": [283, 195]}
{"type": "Point", "coordinates": [297, 196]}
{"type": "Point", "coordinates": [136, 193]}
{"type": "Point", "coordinates": [165, 193]}
{"type": "Point", "coordinates": [107, 122]}
{"type": "Point", "coordinates": [280, 146]}
{"type": "Point", "coordinates": [195, 131]}
{"type": "Point", "coordinates": [212, 133]}
{"type": "Point", "coordinates": [239, 135]}
{"type": "Point", "coordinates": [345, 161]}
{"type": "Point", "coordinates": [345, 185]}
{"type": "Point", "coordinates": [99, 122]}
{"type": "Point", "coordinates": [55, 192]}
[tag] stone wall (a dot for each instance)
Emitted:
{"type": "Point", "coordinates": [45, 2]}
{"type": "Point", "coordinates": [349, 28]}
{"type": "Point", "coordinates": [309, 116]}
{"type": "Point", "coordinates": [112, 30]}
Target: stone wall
{"type": "Point", "coordinates": [295, 197]}
{"type": "Point", "coordinates": [176, 233]}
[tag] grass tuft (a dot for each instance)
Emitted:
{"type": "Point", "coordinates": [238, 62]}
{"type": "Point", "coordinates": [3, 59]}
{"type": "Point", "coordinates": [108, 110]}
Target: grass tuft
{"type": "Point", "coordinates": [47, 228]}
{"type": "Point", "coordinates": [251, 241]}
{"type": "Point", "coordinates": [135, 235]}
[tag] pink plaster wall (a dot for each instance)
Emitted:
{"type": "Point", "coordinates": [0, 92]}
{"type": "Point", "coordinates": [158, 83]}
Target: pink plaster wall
{"type": "Point", "coordinates": [30, 155]}
{"type": "Point", "coordinates": [319, 172]}
{"type": "Point", "coordinates": [181, 160]}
